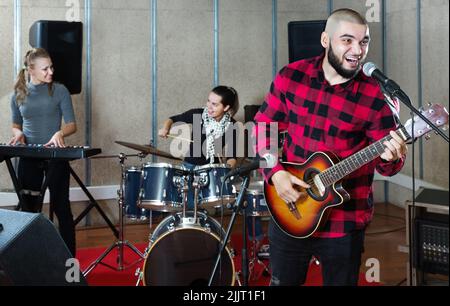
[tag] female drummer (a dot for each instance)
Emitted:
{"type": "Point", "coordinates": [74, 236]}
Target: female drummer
{"type": "Point", "coordinates": [215, 120]}
{"type": "Point", "coordinates": [213, 126]}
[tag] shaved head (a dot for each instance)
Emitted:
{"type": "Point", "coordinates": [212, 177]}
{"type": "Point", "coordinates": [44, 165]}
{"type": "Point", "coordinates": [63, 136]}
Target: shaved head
{"type": "Point", "coordinates": [341, 15]}
{"type": "Point", "coordinates": [346, 41]}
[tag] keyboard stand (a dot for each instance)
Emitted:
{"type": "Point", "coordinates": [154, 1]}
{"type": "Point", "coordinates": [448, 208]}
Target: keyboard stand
{"type": "Point", "coordinates": [93, 202]}
{"type": "Point", "coordinates": [15, 181]}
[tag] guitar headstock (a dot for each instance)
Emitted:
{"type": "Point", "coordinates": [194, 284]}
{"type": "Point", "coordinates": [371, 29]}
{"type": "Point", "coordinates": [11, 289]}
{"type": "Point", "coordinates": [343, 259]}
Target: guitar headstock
{"type": "Point", "coordinates": [436, 114]}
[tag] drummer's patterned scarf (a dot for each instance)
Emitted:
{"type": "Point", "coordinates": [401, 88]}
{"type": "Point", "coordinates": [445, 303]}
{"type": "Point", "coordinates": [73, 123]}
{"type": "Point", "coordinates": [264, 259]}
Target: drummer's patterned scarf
{"type": "Point", "coordinates": [214, 130]}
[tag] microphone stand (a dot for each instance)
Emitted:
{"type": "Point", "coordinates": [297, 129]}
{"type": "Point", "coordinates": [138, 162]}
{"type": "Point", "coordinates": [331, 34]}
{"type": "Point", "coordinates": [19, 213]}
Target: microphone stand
{"type": "Point", "coordinates": [244, 259]}
{"type": "Point", "coordinates": [395, 90]}
{"type": "Point", "coordinates": [237, 207]}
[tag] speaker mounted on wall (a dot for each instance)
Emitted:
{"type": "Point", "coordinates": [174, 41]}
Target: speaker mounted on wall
{"type": "Point", "coordinates": [64, 42]}
{"type": "Point", "coordinates": [304, 39]}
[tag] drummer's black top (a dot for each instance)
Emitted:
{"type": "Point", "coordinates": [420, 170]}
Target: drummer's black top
{"type": "Point", "coordinates": [197, 150]}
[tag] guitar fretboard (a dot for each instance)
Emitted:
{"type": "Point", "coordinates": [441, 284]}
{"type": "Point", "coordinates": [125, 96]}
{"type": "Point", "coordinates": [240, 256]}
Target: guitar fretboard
{"type": "Point", "coordinates": [357, 160]}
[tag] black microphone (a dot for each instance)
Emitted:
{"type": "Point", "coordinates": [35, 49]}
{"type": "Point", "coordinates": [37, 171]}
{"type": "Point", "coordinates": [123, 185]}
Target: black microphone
{"type": "Point", "coordinates": [269, 159]}
{"type": "Point", "coordinates": [371, 70]}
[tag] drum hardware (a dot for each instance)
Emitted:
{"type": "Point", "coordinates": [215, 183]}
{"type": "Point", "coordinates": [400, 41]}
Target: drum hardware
{"type": "Point", "coordinates": [198, 183]}
{"type": "Point", "coordinates": [182, 183]}
{"type": "Point", "coordinates": [238, 275]}
{"type": "Point", "coordinates": [255, 207]}
{"type": "Point", "coordinates": [239, 205]}
{"type": "Point", "coordinates": [255, 258]}
{"type": "Point", "coordinates": [315, 261]}
{"type": "Point", "coordinates": [120, 243]}
{"type": "Point", "coordinates": [139, 275]}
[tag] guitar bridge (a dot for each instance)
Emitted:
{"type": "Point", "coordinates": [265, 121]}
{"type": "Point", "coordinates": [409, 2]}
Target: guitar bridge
{"type": "Point", "coordinates": [293, 209]}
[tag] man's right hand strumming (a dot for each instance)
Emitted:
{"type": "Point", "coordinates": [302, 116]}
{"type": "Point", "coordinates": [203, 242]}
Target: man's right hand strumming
{"type": "Point", "coordinates": [284, 184]}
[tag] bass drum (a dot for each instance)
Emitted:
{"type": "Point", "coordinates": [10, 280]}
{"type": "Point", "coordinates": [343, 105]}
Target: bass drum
{"type": "Point", "coordinates": [183, 253]}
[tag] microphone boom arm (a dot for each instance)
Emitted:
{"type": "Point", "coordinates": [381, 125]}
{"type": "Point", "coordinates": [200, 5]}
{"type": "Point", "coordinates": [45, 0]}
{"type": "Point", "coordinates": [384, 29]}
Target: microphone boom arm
{"type": "Point", "coordinates": [371, 70]}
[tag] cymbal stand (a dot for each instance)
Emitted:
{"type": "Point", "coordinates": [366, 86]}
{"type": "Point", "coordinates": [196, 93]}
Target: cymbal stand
{"type": "Point", "coordinates": [121, 242]}
{"type": "Point", "coordinates": [236, 209]}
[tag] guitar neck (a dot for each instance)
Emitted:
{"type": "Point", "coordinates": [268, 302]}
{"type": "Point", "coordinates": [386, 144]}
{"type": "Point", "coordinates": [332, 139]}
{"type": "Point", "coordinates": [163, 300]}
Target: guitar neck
{"type": "Point", "coordinates": [357, 160]}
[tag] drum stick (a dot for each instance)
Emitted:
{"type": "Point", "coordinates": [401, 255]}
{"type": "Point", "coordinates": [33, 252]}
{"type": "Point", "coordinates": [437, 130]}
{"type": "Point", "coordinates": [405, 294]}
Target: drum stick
{"type": "Point", "coordinates": [220, 158]}
{"type": "Point", "coordinates": [180, 138]}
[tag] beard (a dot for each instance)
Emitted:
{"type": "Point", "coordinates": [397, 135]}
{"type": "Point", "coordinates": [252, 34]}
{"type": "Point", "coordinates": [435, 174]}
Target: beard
{"type": "Point", "coordinates": [338, 66]}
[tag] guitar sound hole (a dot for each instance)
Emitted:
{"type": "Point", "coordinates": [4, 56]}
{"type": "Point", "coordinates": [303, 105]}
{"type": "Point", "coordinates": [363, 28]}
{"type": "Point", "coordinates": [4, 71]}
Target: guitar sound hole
{"type": "Point", "coordinates": [314, 192]}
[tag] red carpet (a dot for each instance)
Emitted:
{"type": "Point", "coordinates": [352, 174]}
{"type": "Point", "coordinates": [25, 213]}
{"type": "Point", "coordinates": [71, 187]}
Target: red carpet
{"type": "Point", "coordinates": [102, 275]}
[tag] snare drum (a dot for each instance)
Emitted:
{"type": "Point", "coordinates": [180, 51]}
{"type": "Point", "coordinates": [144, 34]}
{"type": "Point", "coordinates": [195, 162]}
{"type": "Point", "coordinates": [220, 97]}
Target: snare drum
{"type": "Point", "coordinates": [213, 176]}
{"type": "Point", "coordinates": [256, 202]}
{"type": "Point", "coordinates": [132, 187]}
{"type": "Point", "coordinates": [183, 253]}
{"type": "Point", "coordinates": [159, 190]}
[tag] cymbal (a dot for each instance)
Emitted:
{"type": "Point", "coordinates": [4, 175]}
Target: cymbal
{"type": "Point", "coordinates": [147, 149]}
{"type": "Point", "coordinates": [114, 156]}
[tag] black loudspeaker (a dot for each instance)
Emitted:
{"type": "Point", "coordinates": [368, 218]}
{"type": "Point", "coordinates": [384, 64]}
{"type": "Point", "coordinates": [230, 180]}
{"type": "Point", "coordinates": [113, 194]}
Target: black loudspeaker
{"type": "Point", "coordinates": [304, 39]}
{"type": "Point", "coordinates": [32, 253]}
{"type": "Point", "coordinates": [64, 42]}
{"type": "Point", "coordinates": [250, 112]}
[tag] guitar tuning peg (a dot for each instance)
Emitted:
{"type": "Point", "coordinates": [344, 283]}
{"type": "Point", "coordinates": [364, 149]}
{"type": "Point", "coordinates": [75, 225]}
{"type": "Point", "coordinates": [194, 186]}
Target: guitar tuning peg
{"type": "Point", "coordinates": [429, 104]}
{"type": "Point", "coordinates": [427, 137]}
{"type": "Point", "coordinates": [445, 127]}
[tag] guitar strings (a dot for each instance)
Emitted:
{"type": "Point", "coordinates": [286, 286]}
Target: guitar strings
{"type": "Point", "coordinates": [311, 181]}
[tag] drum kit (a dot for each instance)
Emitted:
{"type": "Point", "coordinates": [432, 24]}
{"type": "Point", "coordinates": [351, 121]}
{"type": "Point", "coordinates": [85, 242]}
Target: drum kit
{"type": "Point", "coordinates": [184, 245]}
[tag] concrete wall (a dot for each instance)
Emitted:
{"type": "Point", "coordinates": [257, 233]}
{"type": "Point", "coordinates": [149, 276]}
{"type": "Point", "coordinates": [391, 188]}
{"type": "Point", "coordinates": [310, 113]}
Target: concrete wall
{"type": "Point", "coordinates": [122, 67]}
{"type": "Point", "coordinates": [6, 78]}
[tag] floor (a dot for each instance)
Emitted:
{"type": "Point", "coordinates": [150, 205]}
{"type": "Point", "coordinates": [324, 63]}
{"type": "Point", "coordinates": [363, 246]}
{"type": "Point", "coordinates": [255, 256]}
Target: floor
{"type": "Point", "coordinates": [385, 239]}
